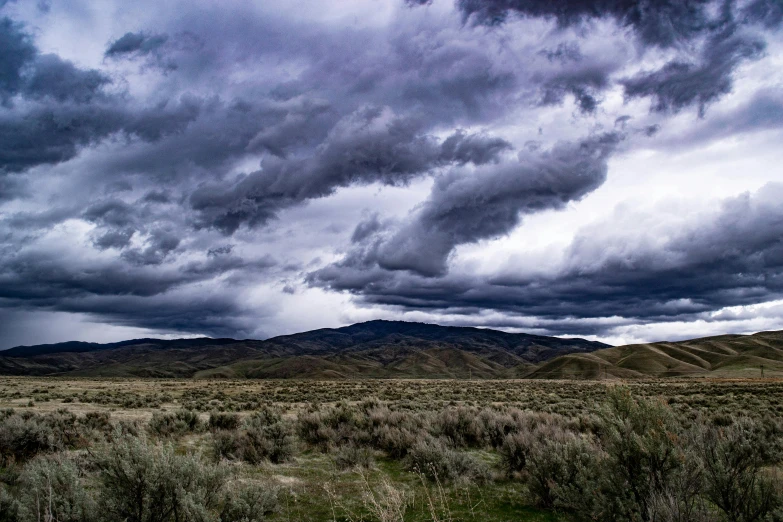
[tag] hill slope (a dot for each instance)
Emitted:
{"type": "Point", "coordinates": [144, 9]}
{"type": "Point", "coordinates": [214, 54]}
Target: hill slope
{"type": "Point", "coordinates": [720, 356]}
{"type": "Point", "coordinates": [371, 349]}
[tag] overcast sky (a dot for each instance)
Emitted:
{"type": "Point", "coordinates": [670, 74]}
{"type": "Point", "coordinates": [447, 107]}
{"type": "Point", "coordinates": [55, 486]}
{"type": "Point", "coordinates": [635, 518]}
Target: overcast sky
{"type": "Point", "coordinates": [604, 169]}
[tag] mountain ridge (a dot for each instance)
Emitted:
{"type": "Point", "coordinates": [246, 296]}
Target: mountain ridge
{"type": "Point", "coordinates": [376, 348]}
{"type": "Point", "coordinates": [399, 349]}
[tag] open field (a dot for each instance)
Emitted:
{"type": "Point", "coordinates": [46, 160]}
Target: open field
{"type": "Point", "coordinates": [386, 449]}
{"type": "Point", "coordinates": [139, 398]}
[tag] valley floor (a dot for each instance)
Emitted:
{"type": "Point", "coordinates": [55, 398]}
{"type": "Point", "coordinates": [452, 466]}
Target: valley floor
{"type": "Point", "coordinates": [365, 449]}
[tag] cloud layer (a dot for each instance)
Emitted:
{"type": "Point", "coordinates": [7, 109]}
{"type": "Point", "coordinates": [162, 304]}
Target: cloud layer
{"type": "Point", "coordinates": [205, 170]}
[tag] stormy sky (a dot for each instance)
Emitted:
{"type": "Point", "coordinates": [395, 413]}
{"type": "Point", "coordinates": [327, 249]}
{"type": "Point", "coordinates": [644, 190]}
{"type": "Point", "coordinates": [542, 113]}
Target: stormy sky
{"type": "Point", "coordinates": [609, 169]}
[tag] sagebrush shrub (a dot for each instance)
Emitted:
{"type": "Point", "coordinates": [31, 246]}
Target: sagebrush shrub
{"type": "Point", "coordinates": [258, 440]}
{"type": "Point", "coordinates": [99, 421]}
{"type": "Point", "coordinates": [350, 456]}
{"type": "Point", "coordinates": [24, 437]}
{"type": "Point", "coordinates": [734, 458]}
{"type": "Point", "coordinates": [496, 426]}
{"type": "Point", "coordinates": [460, 426]}
{"type": "Point", "coordinates": [223, 421]}
{"type": "Point", "coordinates": [641, 438]}
{"type": "Point", "coordinates": [176, 423]}
{"type": "Point", "coordinates": [312, 429]}
{"type": "Point", "coordinates": [51, 489]}
{"type": "Point", "coordinates": [248, 502]}
{"type": "Point", "coordinates": [9, 506]}
{"type": "Point", "coordinates": [273, 442]}
{"type": "Point", "coordinates": [556, 466]}
{"type": "Point", "coordinates": [144, 482]}
{"type": "Point", "coordinates": [396, 441]}
{"type": "Point", "coordinates": [433, 458]}
{"type": "Point", "coordinates": [514, 452]}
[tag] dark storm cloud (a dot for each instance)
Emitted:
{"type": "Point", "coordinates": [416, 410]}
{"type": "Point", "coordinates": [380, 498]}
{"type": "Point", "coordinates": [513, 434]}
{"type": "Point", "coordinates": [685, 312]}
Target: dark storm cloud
{"type": "Point", "coordinates": [18, 51]}
{"type": "Point", "coordinates": [203, 313]}
{"type": "Point", "coordinates": [136, 43]}
{"type": "Point", "coordinates": [157, 247]}
{"type": "Point", "coordinates": [466, 206]}
{"type": "Point", "coordinates": [140, 293]}
{"type": "Point", "coordinates": [768, 12]}
{"type": "Point", "coordinates": [372, 145]}
{"type": "Point", "coordinates": [220, 251]}
{"type": "Point", "coordinates": [731, 257]}
{"type": "Point", "coordinates": [479, 149]}
{"type": "Point", "coordinates": [762, 112]}
{"type": "Point", "coordinates": [257, 112]}
{"type": "Point", "coordinates": [63, 81]}
{"type": "Point", "coordinates": [726, 27]}
{"type": "Point", "coordinates": [54, 108]}
{"type": "Point", "coordinates": [42, 276]}
{"type": "Point", "coordinates": [663, 23]}
{"type": "Point", "coordinates": [156, 196]}
{"type": "Point", "coordinates": [47, 135]}
{"type": "Point", "coordinates": [117, 238]}
{"type": "Point", "coordinates": [580, 76]}
{"type": "Point", "coordinates": [112, 212]}
{"type": "Point", "coordinates": [680, 84]}
{"type": "Point", "coordinates": [584, 83]}
{"type": "Point", "coordinates": [366, 228]}
{"type": "Point", "coordinates": [12, 188]}
{"type": "Point", "coordinates": [23, 71]}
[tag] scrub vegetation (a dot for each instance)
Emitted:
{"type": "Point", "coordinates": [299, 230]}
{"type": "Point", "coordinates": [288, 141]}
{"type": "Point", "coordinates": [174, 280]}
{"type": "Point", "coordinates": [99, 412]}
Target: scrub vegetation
{"type": "Point", "coordinates": [151, 450]}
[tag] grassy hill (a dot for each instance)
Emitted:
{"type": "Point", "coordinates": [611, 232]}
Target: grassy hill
{"type": "Point", "coordinates": [382, 349]}
{"type": "Point", "coordinates": [720, 356]}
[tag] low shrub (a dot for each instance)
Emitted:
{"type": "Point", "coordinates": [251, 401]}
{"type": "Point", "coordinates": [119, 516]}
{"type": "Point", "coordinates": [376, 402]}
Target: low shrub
{"type": "Point", "coordinates": [143, 482]}
{"type": "Point", "coordinates": [256, 441]}
{"type": "Point", "coordinates": [514, 452]}
{"type": "Point", "coordinates": [396, 441]}
{"type": "Point", "coordinates": [248, 502]}
{"type": "Point", "coordinates": [734, 458]}
{"type": "Point", "coordinates": [99, 421]}
{"type": "Point", "coordinates": [51, 489]}
{"type": "Point", "coordinates": [223, 421]}
{"type": "Point", "coordinates": [351, 456]}
{"type": "Point", "coordinates": [642, 441]}
{"type": "Point", "coordinates": [435, 460]}
{"type": "Point", "coordinates": [24, 437]}
{"type": "Point", "coordinates": [175, 424]}
{"type": "Point", "coordinates": [273, 442]}
{"type": "Point", "coordinates": [460, 426]}
{"type": "Point", "coordinates": [556, 469]}
{"type": "Point", "coordinates": [9, 506]}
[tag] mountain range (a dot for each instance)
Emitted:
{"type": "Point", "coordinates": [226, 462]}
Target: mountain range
{"type": "Point", "coordinates": [397, 349]}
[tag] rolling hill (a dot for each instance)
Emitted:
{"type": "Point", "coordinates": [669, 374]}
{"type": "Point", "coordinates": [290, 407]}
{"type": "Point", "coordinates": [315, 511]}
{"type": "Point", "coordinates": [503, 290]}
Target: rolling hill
{"type": "Point", "coordinates": [720, 356]}
{"type": "Point", "coordinates": [396, 349]}
{"type": "Point", "coordinates": [371, 349]}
